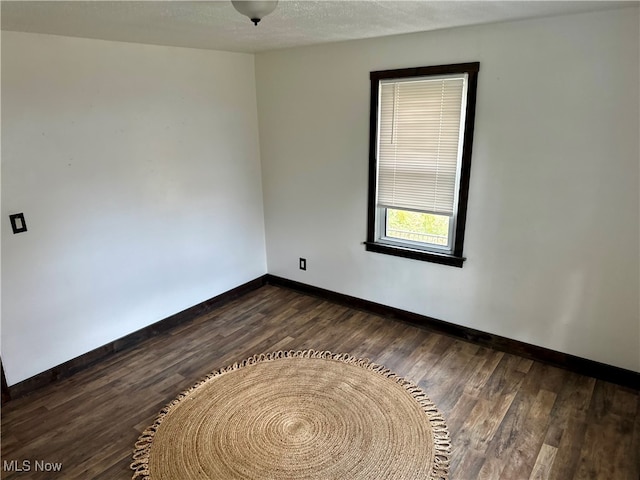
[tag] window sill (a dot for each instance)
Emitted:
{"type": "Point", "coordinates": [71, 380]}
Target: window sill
{"type": "Point", "coordinates": [415, 254]}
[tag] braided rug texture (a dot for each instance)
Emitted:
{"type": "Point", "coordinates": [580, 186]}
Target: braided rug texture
{"type": "Point", "coordinates": [297, 415]}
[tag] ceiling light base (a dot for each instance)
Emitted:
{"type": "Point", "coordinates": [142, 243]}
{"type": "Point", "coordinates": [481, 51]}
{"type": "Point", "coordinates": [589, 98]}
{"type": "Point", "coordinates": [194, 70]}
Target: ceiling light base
{"type": "Point", "coordinates": [255, 10]}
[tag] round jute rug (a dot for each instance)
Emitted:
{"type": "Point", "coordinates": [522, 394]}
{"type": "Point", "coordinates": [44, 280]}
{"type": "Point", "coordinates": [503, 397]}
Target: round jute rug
{"type": "Point", "coordinates": [297, 415]}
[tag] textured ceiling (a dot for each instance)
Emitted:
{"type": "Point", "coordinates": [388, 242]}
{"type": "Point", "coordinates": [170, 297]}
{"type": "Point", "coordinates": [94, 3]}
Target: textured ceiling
{"type": "Point", "coordinates": [216, 24]}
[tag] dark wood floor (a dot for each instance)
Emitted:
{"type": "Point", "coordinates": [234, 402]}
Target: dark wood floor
{"type": "Point", "coordinates": [510, 418]}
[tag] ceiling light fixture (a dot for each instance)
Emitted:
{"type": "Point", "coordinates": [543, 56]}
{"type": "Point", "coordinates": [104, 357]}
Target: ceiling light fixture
{"type": "Point", "coordinates": [255, 10]}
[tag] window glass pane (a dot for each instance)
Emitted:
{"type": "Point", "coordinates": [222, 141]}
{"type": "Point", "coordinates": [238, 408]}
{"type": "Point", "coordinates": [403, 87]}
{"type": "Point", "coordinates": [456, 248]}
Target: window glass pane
{"type": "Point", "coordinates": [418, 227]}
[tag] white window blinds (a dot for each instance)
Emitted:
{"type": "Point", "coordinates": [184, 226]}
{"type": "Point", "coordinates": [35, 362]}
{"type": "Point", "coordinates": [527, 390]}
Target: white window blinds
{"type": "Point", "coordinates": [418, 143]}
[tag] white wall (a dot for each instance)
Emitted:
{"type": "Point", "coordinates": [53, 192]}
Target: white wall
{"type": "Point", "coordinates": [138, 171]}
{"type": "Point", "coordinates": [553, 220]}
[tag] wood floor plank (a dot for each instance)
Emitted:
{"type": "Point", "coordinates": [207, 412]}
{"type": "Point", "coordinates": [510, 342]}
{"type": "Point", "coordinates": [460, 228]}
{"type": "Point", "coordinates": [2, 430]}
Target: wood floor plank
{"type": "Point", "coordinates": [509, 417]}
{"type": "Point", "coordinates": [529, 441]}
{"type": "Point", "coordinates": [544, 463]}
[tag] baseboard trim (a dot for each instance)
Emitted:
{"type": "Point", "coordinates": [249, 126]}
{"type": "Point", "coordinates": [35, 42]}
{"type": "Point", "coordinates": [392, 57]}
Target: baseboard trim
{"type": "Point", "coordinates": [582, 366]}
{"type": "Point", "coordinates": [77, 364]}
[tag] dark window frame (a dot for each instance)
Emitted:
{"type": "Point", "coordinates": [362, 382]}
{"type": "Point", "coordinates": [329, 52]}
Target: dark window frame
{"type": "Point", "coordinates": [455, 258]}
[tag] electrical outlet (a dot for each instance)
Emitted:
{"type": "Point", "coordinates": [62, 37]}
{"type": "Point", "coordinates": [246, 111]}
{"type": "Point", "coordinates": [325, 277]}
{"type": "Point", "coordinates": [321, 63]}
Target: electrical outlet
{"type": "Point", "coordinates": [303, 263]}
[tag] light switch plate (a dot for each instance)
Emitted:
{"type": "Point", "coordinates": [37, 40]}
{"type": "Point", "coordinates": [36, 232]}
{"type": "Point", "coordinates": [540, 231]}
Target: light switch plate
{"type": "Point", "coordinates": [17, 223]}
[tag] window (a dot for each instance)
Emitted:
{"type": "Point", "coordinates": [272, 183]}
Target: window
{"type": "Point", "coordinates": [419, 161]}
